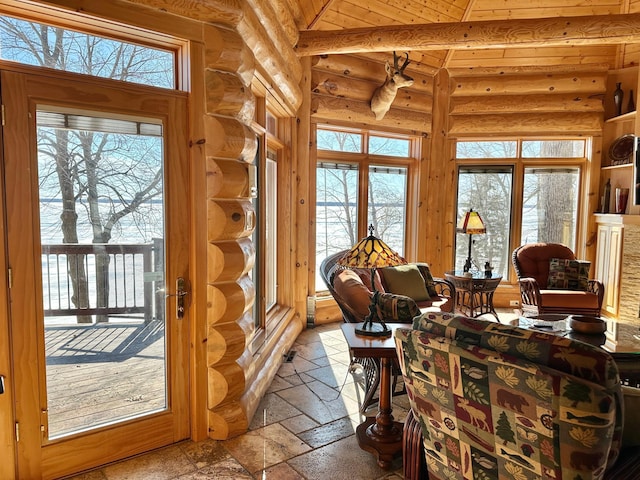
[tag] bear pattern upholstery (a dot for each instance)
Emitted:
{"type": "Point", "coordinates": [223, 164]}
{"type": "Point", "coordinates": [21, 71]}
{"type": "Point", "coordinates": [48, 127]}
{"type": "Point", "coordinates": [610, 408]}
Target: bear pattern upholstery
{"type": "Point", "coordinates": [496, 401]}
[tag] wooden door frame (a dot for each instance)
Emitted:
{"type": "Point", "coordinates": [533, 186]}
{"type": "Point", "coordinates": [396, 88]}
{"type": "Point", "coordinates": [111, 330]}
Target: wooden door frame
{"type": "Point", "coordinates": [65, 456]}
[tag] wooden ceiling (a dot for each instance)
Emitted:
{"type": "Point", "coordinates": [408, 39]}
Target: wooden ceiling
{"type": "Point", "coordinates": [474, 62]}
{"type": "Point", "coordinates": [327, 15]}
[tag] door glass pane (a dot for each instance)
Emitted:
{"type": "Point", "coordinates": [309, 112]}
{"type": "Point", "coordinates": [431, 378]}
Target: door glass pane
{"type": "Point", "coordinates": [336, 211]}
{"type": "Point", "coordinates": [487, 191]}
{"type": "Point", "coordinates": [550, 205]}
{"type": "Point", "coordinates": [271, 228]}
{"type": "Point", "coordinates": [388, 204]}
{"type": "Point", "coordinates": [102, 236]}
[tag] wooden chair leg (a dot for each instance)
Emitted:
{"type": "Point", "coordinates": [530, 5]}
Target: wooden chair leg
{"type": "Point", "coordinates": [414, 465]}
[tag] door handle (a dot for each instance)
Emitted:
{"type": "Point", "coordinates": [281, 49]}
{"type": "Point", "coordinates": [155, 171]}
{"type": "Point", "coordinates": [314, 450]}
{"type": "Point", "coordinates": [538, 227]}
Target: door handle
{"type": "Point", "coordinates": [1, 384]}
{"type": "Point", "coordinates": [181, 292]}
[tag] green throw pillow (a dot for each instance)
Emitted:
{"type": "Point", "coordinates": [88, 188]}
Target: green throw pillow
{"type": "Point", "coordinates": [406, 280]}
{"type": "Point", "coordinates": [631, 429]}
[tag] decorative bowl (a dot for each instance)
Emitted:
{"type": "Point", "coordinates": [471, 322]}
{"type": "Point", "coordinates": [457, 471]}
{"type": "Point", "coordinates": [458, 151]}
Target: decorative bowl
{"type": "Point", "coordinates": [587, 324]}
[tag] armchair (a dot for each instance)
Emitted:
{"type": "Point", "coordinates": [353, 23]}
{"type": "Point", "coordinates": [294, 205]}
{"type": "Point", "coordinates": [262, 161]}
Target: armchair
{"type": "Point", "coordinates": [488, 398]}
{"type": "Point", "coordinates": [540, 296]}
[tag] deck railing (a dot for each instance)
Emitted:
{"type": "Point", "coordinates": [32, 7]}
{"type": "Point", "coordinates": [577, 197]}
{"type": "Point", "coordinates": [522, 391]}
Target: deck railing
{"type": "Point", "coordinates": [117, 279]}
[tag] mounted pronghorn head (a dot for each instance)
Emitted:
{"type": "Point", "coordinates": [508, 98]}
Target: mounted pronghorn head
{"type": "Point", "coordinates": [385, 93]}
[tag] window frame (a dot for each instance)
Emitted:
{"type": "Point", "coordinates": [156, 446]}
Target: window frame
{"type": "Point", "coordinates": [272, 131]}
{"type": "Point", "coordinates": [91, 24]}
{"type": "Point", "coordinates": [363, 161]}
{"type": "Point", "coordinates": [519, 165]}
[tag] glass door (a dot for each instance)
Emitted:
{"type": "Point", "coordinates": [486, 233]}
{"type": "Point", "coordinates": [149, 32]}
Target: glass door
{"type": "Point", "coordinates": [95, 180]}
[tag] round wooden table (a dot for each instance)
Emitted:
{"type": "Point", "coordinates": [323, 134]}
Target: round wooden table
{"type": "Point", "coordinates": [474, 294]}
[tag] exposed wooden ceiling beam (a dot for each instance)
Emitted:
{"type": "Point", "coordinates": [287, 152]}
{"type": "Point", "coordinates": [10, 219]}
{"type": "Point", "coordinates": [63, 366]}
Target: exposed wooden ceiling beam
{"type": "Point", "coordinates": [534, 32]}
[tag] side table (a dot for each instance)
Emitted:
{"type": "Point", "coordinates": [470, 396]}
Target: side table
{"type": "Point", "coordinates": [381, 436]}
{"type": "Point", "coordinates": [474, 295]}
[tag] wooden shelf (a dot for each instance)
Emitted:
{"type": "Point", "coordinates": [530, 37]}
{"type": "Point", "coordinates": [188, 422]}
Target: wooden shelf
{"type": "Point", "coordinates": [621, 118]}
{"type": "Point", "coordinates": [614, 167]}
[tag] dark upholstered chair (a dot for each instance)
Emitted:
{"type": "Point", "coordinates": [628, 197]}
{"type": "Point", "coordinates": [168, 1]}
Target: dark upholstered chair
{"type": "Point", "coordinates": [487, 398]}
{"type": "Point", "coordinates": [541, 293]}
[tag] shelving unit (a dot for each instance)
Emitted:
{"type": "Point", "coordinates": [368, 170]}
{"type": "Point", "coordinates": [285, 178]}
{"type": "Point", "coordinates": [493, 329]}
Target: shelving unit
{"type": "Point", "coordinates": [617, 258]}
{"type": "Point", "coordinates": [614, 127]}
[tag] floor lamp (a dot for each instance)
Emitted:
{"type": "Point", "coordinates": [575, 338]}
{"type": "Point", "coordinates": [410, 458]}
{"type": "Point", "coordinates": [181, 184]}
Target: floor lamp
{"type": "Point", "coordinates": [372, 253]}
{"type": "Point", "coordinates": [471, 224]}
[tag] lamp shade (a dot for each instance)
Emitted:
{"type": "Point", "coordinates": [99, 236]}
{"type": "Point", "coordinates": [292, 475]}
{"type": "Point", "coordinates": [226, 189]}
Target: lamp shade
{"type": "Point", "coordinates": [471, 223]}
{"type": "Point", "coordinates": [371, 252]}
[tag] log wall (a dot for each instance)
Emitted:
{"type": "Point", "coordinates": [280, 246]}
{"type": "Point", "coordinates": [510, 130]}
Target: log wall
{"type": "Point", "coordinates": [239, 38]}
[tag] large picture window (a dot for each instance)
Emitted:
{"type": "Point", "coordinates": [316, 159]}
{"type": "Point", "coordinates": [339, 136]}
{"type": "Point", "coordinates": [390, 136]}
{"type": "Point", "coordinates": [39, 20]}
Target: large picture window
{"type": "Point", "coordinates": [526, 190]}
{"type": "Point", "coordinates": [361, 180]}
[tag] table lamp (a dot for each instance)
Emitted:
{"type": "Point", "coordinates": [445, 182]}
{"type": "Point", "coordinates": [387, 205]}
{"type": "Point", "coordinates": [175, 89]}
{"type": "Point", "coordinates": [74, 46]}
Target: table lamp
{"type": "Point", "coordinates": [372, 253]}
{"type": "Point", "coordinates": [471, 224]}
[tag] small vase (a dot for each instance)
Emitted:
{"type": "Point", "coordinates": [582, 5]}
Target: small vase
{"type": "Point", "coordinates": [622, 196]}
{"type": "Point", "coordinates": [606, 196]}
{"type": "Point", "coordinates": [617, 98]}
{"type": "Point", "coordinates": [631, 106]}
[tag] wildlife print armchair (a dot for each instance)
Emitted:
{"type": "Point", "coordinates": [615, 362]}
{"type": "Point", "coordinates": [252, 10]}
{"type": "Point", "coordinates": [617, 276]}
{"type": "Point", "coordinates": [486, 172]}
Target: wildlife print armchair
{"type": "Point", "coordinates": [494, 401]}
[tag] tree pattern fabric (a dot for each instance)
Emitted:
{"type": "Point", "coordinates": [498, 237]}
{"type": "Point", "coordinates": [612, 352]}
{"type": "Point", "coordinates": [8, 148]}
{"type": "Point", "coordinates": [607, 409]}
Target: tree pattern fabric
{"type": "Point", "coordinates": [502, 402]}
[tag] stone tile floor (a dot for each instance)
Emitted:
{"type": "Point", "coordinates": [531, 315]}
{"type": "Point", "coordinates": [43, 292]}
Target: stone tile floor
{"type": "Point", "coordinates": [303, 429]}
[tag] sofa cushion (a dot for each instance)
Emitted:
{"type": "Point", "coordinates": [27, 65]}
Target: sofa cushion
{"type": "Point", "coordinates": [405, 280]}
{"type": "Point", "coordinates": [348, 285]}
{"type": "Point", "coordinates": [438, 303]}
{"type": "Point", "coordinates": [568, 274]}
{"type": "Point", "coordinates": [569, 299]}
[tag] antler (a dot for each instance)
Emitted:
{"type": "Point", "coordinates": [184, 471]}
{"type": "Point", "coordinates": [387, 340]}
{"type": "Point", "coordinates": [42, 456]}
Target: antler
{"type": "Point", "coordinates": [404, 65]}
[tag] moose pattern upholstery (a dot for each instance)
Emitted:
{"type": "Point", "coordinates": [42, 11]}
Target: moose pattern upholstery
{"type": "Point", "coordinates": [552, 281]}
{"type": "Point", "coordinates": [500, 402]}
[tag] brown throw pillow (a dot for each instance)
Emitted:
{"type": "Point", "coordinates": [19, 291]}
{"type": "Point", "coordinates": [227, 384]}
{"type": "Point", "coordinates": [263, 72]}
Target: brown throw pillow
{"type": "Point", "coordinates": [348, 285]}
{"type": "Point", "coordinates": [406, 280]}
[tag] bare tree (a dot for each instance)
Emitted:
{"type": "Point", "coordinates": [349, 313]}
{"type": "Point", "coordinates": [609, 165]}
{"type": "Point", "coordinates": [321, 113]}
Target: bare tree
{"type": "Point", "coordinates": [85, 163]}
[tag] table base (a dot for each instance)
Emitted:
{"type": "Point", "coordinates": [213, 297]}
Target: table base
{"type": "Point", "coordinates": [385, 445]}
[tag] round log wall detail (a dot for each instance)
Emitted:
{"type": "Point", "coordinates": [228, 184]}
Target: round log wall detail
{"type": "Point", "coordinates": [230, 146]}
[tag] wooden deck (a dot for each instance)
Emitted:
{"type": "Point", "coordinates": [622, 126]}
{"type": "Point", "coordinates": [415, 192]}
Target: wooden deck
{"type": "Point", "coordinates": [101, 373]}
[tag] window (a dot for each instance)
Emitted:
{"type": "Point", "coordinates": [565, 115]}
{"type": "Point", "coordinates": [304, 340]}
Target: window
{"type": "Point", "coordinates": [546, 172]}
{"type": "Point", "coordinates": [487, 191]}
{"type": "Point", "coordinates": [265, 236]}
{"type": "Point", "coordinates": [550, 205]}
{"type": "Point", "coordinates": [271, 234]}
{"type": "Point", "coordinates": [25, 42]}
{"type": "Point", "coordinates": [361, 180]}
{"type": "Point", "coordinates": [271, 227]}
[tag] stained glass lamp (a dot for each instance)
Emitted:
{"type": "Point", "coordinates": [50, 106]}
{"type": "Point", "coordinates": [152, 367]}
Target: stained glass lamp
{"type": "Point", "coordinates": [372, 253]}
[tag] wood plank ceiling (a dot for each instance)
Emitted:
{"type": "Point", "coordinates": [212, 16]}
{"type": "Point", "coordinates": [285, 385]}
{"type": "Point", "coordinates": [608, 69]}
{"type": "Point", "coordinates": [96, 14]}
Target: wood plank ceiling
{"type": "Point", "coordinates": [342, 83]}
